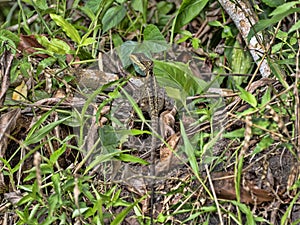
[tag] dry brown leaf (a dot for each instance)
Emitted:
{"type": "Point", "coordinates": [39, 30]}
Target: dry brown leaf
{"type": "Point", "coordinates": [28, 45]}
{"type": "Point", "coordinates": [224, 186]}
{"type": "Point", "coordinates": [5, 65]}
{"type": "Point", "coordinates": [13, 197]}
{"type": "Point", "coordinates": [20, 93]}
{"type": "Point", "coordinates": [7, 124]}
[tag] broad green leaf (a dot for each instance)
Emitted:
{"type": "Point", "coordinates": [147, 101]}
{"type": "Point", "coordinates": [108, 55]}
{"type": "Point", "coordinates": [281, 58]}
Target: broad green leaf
{"type": "Point", "coordinates": [100, 159]}
{"type": "Point", "coordinates": [67, 27]}
{"type": "Point", "coordinates": [188, 10]}
{"type": "Point", "coordinates": [11, 39]}
{"type": "Point", "coordinates": [277, 72]}
{"type": "Point", "coordinates": [113, 17]}
{"type": "Point", "coordinates": [125, 50]}
{"type": "Point", "coordinates": [266, 97]}
{"type": "Point", "coordinates": [189, 150]}
{"type": "Point", "coordinates": [177, 75]}
{"type": "Point", "coordinates": [134, 106]}
{"type": "Point", "coordinates": [287, 214]}
{"type": "Point", "coordinates": [38, 135]}
{"type": "Point", "coordinates": [117, 40]}
{"type": "Point", "coordinates": [238, 133]}
{"type": "Point", "coordinates": [263, 144]}
{"type": "Point", "coordinates": [152, 33]}
{"type": "Point", "coordinates": [164, 7]}
{"type": "Point", "coordinates": [248, 97]}
{"type": "Point", "coordinates": [132, 159]}
{"type": "Point", "coordinates": [151, 46]}
{"type": "Point", "coordinates": [59, 46]}
{"type": "Point", "coordinates": [215, 23]}
{"type": "Point", "coordinates": [108, 138]}
{"type": "Point", "coordinates": [295, 27]}
{"type": "Point", "coordinates": [87, 41]}
{"type": "Point", "coordinates": [44, 64]}
{"type": "Point", "coordinates": [87, 11]}
{"type": "Point", "coordinates": [54, 157]}
{"type": "Point", "coordinates": [263, 24]}
{"type": "Point", "coordinates": [138, 5]}
{"type": "Point", "coordinates": [120, 217]}
{"type": "Point", "coordinates": [147, 47]}
{"type": "Point", "coordinates": [273, 3]}
{"type": "Point", "coordinates": [42, 4]}
{"type": "Point", "coordinates": [93, 5]}
{"type": "Point", "coordinates": [54, 45]}
{"type": "Point", "coordinates": [284, 8]}
{"type": "Point", "coordinates": [241, 62]}
{"type": "Point", "coordinates": [57, 188]}
{"type": "Point", "coordinates": [195, 43]}
{"type": "Point", "coordinates": [78, 212]}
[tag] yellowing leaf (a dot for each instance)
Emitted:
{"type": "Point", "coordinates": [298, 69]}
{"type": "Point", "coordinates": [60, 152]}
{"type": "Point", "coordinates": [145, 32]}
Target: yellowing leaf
{"type": "Point", "coordinates": [20, 93]}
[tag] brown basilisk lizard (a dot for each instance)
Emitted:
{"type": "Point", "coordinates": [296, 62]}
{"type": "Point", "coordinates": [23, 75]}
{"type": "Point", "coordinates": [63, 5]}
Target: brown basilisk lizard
{"type": "Point", "coordinates": [146, 66]}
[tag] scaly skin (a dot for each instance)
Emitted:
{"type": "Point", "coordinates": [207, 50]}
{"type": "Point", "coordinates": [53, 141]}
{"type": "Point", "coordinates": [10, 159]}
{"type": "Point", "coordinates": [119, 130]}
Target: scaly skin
{"type": "Point", "coordinates": [147, 68]}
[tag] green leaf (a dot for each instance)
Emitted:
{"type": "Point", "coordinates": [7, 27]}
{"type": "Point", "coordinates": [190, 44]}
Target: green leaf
{"type": "Point", "coordinates": [132, 159]}
{"type": "Point", "coordinates": [215, 23]}
{"type": "Point", "coordinates": [57, 188]}
{"type": "Point", "coordinates": [100, 159]}
{"type": "Point", "coordinates": [178, 80]}
{"type": "Point", "coordinates": [120, 217]}
{"type": "Point", "coordinates": [287, 214]}
{"type": "Point", "coordinates": [41, 133]}
{"type": "Point", "coordinates": [138, 5]}
{"type": "Point", "coordinates": [59, 46]}
{"type": "Point", "coordinates": [188, 10]}
{"type": "Point", "coordinates": [44, 64]}
{"type": "Point", "coordinates": [241, 62]}
{"type": "Point", "coordinates": [189, 150]}
{"type": "Point", "coordinates": [273, 3]}
{"type": "Point", "coordinates": [11, 40]}
{"type": "Point", "coordinates": [70, 31]}
{"type": "Point", "coordinates": [152, 33]}
{"type": "Point", "coordinates": [263, 144]}
{"type": "Point", "coordinates": [42, 4]}
{"type": "Point", "coordinates": [113, 17]}
{"type": "Point", "coordinates": [78, 212]}
{"type": "Point", "coordinates": [295, 27]}
{"type": "Point", "coordinates": [277, 72]}
{"type": "Point", "coordinates": [248, 97]}
{"type": "Point", "coordinates": [87, 41]}
{"type": "Point", "coordinates": [54, 157]}
{"type": "Point", "coordinates": [284, 8]}
{"type": "Point", "coordinates": [238, 133]}
{"type": "Point", "coordinates": [263, 24]}
{"type": "Point", "coordinates": [93, 5]}
{"type": "Point", "coordinates": [134, 106]}
{"type": "Point", "coordinates": [266, 97]}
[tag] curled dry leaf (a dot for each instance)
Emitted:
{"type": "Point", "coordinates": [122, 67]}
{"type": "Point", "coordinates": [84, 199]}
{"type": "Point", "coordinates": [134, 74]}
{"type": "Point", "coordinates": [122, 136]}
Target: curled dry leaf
{"type": "Point", "coordinates": [224, 185]}
{"type": "Point", "coordinates": [28, 45]}
{"type": "Point", "coordinates": [20, 92]}
{"type": "Point", "coordinates": [7, 125]}
{"type": "Point", "coordinates": [5, 65]}
{"type": "Point", "coordinates": [13, 197]}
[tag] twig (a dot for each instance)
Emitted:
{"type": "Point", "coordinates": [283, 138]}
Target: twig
{"type": "Point", "coordinates": [244, 18]}
{"type": "Point", "coordinates": [29, 21]}
{"type": "Point", "coordinates": [214, 194]}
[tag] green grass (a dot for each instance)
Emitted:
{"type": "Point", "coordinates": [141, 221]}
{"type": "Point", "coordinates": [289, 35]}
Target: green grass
{"type": "Point", "coordinates": [66, 157]}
